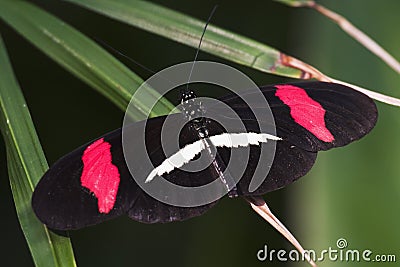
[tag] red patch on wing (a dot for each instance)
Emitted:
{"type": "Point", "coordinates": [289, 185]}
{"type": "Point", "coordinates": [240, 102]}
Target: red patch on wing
{"type": "Point", "coordinates": [305, 111]}
{"type": "Point", "coordinates": [99, 175]}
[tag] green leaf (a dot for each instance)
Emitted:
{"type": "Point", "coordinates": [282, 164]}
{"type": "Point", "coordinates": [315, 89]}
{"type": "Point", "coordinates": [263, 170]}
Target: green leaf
{"type": "Point", "coordinates": [26, 164]}
{"type": "Point", "coordinates": [187, 30]}
{"type": "Point", "coordinates": [80, 55]}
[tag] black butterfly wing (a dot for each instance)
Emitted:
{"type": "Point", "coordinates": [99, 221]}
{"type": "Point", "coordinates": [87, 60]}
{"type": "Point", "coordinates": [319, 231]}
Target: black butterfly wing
{"type": "Point", "coordinates": [147, 209]}
{"type": "Point", "coordinates": [347, 115]}
{"type": "Point", "coordinates": [289, 164]}
{"type": "Point", "coordinates": [62, 202]}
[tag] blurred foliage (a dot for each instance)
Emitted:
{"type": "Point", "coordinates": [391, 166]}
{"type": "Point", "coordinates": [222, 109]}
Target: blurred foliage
{"type": "Point", "coordinates": [353, 191]}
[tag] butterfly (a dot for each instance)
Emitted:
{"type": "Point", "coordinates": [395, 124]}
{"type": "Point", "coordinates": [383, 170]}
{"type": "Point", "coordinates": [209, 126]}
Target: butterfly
{"type": "Point", "coordinates": [95, 183]}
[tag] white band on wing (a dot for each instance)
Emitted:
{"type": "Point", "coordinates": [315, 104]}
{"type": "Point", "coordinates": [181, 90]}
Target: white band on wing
{"type": "Point", "coordinates": [190, 151]}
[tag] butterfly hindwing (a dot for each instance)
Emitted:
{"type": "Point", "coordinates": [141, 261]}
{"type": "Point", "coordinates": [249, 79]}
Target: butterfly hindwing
{"type": "Point", "coordinates": [146, 208]}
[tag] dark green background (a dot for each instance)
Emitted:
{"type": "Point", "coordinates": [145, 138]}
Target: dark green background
{"type": "Point", "coordinates": [352, 192]}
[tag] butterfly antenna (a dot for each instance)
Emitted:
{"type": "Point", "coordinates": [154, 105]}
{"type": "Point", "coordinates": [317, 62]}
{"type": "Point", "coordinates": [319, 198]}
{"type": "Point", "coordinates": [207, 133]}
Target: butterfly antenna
{"type": "Point", "coordinates": [128, 58]}
{"type": "Point", "coordinates": [198, 48]}
{"type": "Point", "coordinates": [124, 56]}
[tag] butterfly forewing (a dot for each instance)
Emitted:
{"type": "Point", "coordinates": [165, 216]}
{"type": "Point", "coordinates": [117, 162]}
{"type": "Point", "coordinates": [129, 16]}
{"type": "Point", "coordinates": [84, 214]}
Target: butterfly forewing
{"type": "Point", "coordinates": [61, 202]}
{"type": "Point", "coordinates": [346, 114]}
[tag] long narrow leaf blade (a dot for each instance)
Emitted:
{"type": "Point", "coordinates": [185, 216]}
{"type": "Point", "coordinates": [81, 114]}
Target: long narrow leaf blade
{"type": "Point", "coordinates": [187, 30]}
{"type": "Point", "coordinates": [26, 164]}
{"type": "Point", "coordinates": [80, 55]}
